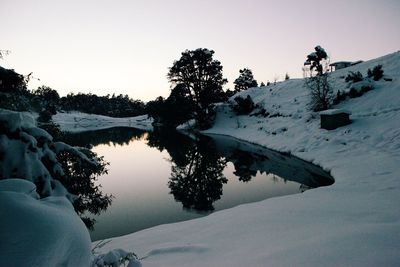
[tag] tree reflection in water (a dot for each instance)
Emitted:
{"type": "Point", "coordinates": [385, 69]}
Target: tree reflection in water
{"type": "Point", "coordinates": [80, 178]}
{"type": "Point", "coordinates": [196, 173]}
{"type": "Point", "coordinates": [112, 136]}
{"type": "Point", "coordinates": [243, 161]}
{"type": "Point", "coordinates": [197, 166]}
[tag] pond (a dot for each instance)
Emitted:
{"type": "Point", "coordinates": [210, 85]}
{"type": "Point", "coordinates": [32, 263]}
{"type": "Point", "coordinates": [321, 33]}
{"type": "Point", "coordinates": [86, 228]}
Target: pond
{"type": "Point", "coordinates": [163, 176]}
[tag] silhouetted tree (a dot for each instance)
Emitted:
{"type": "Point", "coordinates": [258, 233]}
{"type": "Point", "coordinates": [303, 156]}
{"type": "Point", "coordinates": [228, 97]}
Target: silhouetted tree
{"type": "Point", "coordinates": [245, 80]}
{"type": "Point", "coordinates": [315, 60]}
{"type": "Point", "coordinates": [202, 76]}
{"type": "Point", "coordinates": [114, 106]}
{"type": "Point", "coordinates": [11, 82]}
{"type": "Point", "coordinates": [321, 93]}
{"type": "Point", "coordinates": [46, 98]}
{"type": "Point", "coordinates": [176, 109]}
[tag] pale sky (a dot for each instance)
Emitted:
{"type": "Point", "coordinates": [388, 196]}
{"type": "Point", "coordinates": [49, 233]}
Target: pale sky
{"type": "Point", "coordinates": [126, 47]}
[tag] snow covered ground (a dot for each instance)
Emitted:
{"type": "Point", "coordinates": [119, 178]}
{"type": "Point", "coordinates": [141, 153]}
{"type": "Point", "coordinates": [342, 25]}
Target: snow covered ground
{"type": "Point", "coordinates": [355, 222]}
{"type": "Point", "coordinates": [80, 122]}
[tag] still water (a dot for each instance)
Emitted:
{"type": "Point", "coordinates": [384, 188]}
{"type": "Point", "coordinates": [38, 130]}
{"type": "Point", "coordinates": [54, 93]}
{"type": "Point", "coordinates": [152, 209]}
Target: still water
{"type": "Point", "coordinates": [163, 176]}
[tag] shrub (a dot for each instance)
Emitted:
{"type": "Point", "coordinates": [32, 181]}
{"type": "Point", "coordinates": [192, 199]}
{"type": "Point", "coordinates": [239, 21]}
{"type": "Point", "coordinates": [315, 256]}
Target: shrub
{"type": "Point", "coordinates": [354, 77]}
{"type": "Point", "coordinates": [243, 105]}
{"type": "Point", "coordinates": [340, 96]}
{"type": "Point", "coordinates": [44, 116]}
{"type": "Point", "coordinates": [353, 93]}
{"type": "Point", "coordinates": [376, 73]}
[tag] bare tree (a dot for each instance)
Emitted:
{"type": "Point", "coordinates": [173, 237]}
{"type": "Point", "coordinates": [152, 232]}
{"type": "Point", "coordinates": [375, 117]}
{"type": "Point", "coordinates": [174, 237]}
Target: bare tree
{"type": "Point", "coordinates": [320, 92]}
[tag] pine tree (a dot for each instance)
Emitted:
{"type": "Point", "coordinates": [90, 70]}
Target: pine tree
{"type": "Point", "coordinates": [245, 80]}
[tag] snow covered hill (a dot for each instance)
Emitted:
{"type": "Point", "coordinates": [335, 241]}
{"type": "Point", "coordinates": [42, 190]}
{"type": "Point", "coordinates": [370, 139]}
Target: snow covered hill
{"type": "Point", "coordinates": [355, 222]}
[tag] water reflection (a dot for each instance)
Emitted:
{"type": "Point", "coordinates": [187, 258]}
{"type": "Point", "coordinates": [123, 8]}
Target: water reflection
{"type": "Point", "coordinates": [198, 184]}
{"type": "Point", "coordinates": [91, 199]}
{"type": "Point", "coordinates": [197, 166]}
{"type": "Point", "coordinates": [163, 176]}
{"type": "Point", "coordinates": [112, 136]}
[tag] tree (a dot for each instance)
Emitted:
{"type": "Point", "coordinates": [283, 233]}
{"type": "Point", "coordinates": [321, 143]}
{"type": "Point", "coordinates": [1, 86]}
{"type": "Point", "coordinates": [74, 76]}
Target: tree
{"type": "Point", "coordinates": [176, 109]}
{"type": "Point", "coordinates": [202, 77]}
{"type": "Point", "coordinates": [287, 77]}
{"type": "Point", "coordinates": [245, 80]}
{"type": "Point", "coordinates": [47, 98]}
{"type": "Point", "coordinates": [321, 92]}
{"type": "Point", "coordinates": [317, 60]}
{"type": "Point", "coordinates": [12, 82]}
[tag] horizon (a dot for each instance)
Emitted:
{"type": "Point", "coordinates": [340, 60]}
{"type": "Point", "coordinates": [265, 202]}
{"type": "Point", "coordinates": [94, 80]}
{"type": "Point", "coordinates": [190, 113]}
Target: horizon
{"type": "Point", "coordinates": [127, 48]}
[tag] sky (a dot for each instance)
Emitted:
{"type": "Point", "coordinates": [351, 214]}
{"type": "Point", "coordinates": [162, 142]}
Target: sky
{"type": "Point", "coordinates": [126, 47]}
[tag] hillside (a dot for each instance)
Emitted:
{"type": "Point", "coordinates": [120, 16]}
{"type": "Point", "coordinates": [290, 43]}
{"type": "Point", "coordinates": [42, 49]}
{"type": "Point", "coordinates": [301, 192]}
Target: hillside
{"type": "Point", "coordinates": [355, 222]}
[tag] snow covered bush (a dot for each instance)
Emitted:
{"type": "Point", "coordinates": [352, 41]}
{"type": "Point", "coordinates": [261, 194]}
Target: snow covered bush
{"type": "Point", "coordinates": [114, 258]}
{"type": "Point", "coordinates": [29, 153]}
{"type": "Point", "coordinates": [354, 77]}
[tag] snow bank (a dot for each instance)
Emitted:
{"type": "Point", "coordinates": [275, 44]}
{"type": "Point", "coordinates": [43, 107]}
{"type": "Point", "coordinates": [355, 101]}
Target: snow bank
{"type": "Point", "coordinates": [45, 232]}
{"type": "Point", "coordinates": [33, 231]}
{"type": "Point", "coordinates": [355, 222]}
{"type": "Point", "coordinates": [80, 122]}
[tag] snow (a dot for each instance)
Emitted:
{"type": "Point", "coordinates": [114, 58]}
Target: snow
{"type": "Point", "coordinates": [45, 232]}
{"type": "Point", "coordinates": [355, 222]}
{"type": "Point", "coordinates": [79, 122]}
{"type": "Point", "coordinates": [33, 231]}
{"type": "Point", "coordinates": [335, 111]}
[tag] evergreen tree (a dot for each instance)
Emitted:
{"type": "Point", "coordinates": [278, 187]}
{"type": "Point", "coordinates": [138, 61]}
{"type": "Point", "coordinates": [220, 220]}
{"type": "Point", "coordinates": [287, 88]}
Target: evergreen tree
{"type": "Point", "coordinates": [315, 60]}
{"type": "Point", "coordinates": [201, 75]}
{"type": "Point", "coordinates": [245, 80]}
